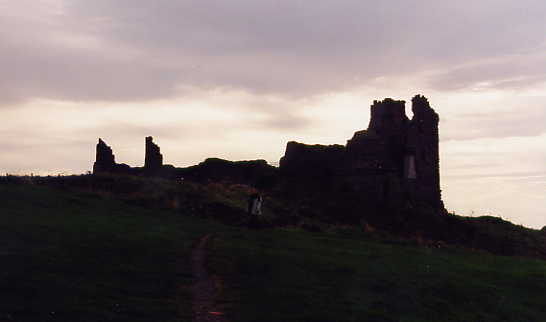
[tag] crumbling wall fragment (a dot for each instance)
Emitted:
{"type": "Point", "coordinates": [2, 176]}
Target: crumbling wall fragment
{"type": "Point", "coordinates": [104, 160]}
{"type": "Point", "coordinates": [153, 160]}
{"type": "Point", "coordinates": [302, 159]}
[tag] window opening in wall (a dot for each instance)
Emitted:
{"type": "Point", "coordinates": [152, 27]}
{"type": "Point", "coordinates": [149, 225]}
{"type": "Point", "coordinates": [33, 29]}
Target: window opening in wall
{"type": "Point", "coordinates": [411, 172]}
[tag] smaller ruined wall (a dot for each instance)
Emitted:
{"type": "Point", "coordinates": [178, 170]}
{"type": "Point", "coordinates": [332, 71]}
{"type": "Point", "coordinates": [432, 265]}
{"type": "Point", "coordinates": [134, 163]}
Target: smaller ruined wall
{"type": "Point", "coordinates": [153, 160]}
{"type": "Point", "coordinates": [316, 160]}
{"type": "Point", "coordinates": [252, 172]}
{"type": "Point", "coordinates": [105, 160]}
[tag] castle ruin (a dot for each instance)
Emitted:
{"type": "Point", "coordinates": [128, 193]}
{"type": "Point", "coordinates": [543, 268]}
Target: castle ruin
{"type": "Point", "coordinates": [393, 163]}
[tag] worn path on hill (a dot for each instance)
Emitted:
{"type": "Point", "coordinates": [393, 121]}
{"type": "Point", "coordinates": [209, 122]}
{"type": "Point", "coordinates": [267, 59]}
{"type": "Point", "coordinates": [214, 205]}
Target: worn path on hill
{"type": "Point", "coordinates": [204, 288]}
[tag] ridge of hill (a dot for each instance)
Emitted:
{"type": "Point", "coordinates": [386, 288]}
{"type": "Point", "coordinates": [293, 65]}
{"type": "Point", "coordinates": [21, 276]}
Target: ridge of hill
{"type": "Point", "coordinates": [227, 203]}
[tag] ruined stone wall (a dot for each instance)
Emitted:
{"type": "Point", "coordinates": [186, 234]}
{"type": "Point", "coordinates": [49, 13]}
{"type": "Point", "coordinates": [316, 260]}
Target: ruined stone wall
{"type": "Point", "coordinates": [254, 172]}
{"type": "Point", "coordinates": [302, 159]}
{"type": "Point", "coordinates": [105, 160]}
{"type": "Point", "coordinates": [153, 160]}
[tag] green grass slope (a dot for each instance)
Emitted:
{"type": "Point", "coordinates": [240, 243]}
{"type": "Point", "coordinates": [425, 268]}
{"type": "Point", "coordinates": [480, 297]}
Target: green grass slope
{"type": "Point", "coordinates": [79, 257]}
{"type": "Point", "coordinates": [69, 256]}
{"type": "Point", "coordinates": [287, 275]}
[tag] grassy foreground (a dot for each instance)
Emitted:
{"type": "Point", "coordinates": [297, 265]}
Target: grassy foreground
{"type": "Point", "coordinates": [300, 276]}
{"type": "Point", "coordinates": [79, 257]}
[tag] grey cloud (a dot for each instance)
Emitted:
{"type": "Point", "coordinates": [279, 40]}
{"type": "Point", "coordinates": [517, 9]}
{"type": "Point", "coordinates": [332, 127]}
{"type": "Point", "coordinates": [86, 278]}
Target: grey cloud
{"type": "Point", "coordinates": [124, 131]}
{"type": "Point", "coordinates": [146, 49]}
{"type": "Point", "coordinates": [524, 119]}
{"type": "Point", "coordinates": [285, 122]}
{"type": "Point", "coordinates": [81, 75]}
{"type": "Point", "coordinates": [321, 27]}
{"type": "Point", "coordinates": [514, 72]}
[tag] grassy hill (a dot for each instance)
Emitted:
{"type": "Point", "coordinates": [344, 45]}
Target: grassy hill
{"type": "Point", "coordinates": [124, 256]}
{"type": "Point", "coordinates": [82, 257]}
{"type": "Point", "coordinates": [300, 276]}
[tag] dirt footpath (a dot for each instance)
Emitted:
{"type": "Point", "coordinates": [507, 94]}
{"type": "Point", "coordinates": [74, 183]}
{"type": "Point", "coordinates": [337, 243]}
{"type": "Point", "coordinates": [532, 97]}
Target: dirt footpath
{"type": "Point", "coordinates": [204, 289]}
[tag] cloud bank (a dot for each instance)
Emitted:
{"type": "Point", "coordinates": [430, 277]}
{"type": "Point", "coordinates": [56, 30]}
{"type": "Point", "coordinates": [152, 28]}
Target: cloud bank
{"type": "Point", "coordinates": [133, 50]}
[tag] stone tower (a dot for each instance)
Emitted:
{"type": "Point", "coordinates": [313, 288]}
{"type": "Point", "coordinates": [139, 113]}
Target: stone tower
{"type": "Point", "coordinates": [380, 148]}
{"type": "Point", "coordinates": [393, 162]}
{"type": "Point", "coordinates": [422, 153]}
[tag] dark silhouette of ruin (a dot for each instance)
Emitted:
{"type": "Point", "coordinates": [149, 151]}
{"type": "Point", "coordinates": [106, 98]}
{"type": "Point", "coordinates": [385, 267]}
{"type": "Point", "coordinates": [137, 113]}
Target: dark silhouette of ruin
{"type": "Point", "coordinates": [211, 170]}
{"type": "Point", "coordinates": [105, 160]}
{"type": "Point", "coordinates": [395, 159]}
{"type": "Point", "coordinates": [394, 162]}
{"type": "Point", "coordinates": [153, 160]}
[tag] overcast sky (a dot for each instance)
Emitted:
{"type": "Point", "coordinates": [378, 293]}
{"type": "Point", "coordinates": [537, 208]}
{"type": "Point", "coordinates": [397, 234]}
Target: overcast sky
{"type": "Point", "coordinates": [238, 79]}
